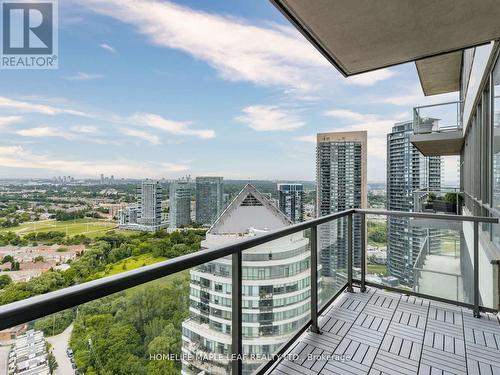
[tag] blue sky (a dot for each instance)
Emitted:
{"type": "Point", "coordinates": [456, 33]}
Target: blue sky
{"type": "Point", "coordinates": [151, 88]}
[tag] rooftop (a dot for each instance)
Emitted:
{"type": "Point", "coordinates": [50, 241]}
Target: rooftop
{"type": "Point", "coordinates": [249, 207]}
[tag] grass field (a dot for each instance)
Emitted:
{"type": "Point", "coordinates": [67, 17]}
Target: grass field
{"type": "Point", "coordinates": [130, 264]}
{"type": "Point", "coordinates": [137, 262]}
{"type": "Point", "coordinates": [88, 227]}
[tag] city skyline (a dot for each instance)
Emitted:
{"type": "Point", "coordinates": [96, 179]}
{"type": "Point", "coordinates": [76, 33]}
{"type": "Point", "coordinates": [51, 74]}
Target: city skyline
{"type": "Point", "coordinates": [275, 99]}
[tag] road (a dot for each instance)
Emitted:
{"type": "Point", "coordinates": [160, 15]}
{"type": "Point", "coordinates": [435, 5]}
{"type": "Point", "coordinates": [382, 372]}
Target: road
{"type": "Point", "coordinates": [4, 359]}
{"type": "Point", "coordinates": [59, 345]}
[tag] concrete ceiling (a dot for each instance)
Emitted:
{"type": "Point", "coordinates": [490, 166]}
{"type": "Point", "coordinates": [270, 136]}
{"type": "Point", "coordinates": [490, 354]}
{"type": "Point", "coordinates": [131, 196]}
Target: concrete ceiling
{"type": "Point", "coordinates": [440, 74]}
{"type": "Point", "coordinates": [362, 35]}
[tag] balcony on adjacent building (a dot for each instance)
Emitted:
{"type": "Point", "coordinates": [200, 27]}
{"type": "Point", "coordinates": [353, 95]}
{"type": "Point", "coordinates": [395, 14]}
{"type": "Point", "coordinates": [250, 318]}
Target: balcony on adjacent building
{"type": "Point", "coordinates": [445, 200]}
{"type": "Point", "coordinates": [437, 129]}
{"type": "Point", "coordinates": [345, 321]}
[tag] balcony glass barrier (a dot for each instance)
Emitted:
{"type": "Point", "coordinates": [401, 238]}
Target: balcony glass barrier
{"type": "Point", "coordinates": [332, 259]}
{"type": "Point", "coordinates": [423, 255]}
{"type": "Point", "coordinates": [206, 333]}
{"type": "Point", "coordinates": [437, 118]}
{"type": "Point", "coordinates": [141, 330]}
{"type": "Point", "coordinates": [276, 298]}
{"type": "Point", "coordinates": [239, 306]}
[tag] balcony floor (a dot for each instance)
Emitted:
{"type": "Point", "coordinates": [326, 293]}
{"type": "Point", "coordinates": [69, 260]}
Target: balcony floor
{"type": "Point", "coordinates": [387, 333]}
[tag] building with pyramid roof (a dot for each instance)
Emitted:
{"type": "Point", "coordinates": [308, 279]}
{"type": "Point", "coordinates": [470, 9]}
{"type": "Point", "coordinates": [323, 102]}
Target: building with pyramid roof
{"type": "Point", "coordinates": [276, 289]}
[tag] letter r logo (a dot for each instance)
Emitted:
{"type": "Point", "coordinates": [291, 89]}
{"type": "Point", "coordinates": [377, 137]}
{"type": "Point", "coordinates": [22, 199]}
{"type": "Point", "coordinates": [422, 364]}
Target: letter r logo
{"type": "Point", "coordinates": [27, 28]}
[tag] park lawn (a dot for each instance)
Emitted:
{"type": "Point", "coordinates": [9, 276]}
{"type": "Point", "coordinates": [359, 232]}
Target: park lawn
{"type": "Point", "coordinates": [88, 227]}
{"type": "Point", "coordinates": [127, 232]}
{"type": "Point", "coordinates": [130, 264]}
{"type": "Point", "coordinates": [138, 261]}
{"type": "Point", "coordinates": [377, 269]}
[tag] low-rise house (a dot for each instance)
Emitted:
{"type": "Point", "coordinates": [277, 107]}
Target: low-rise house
{"type": "Point", "coordinates": [29, 355]}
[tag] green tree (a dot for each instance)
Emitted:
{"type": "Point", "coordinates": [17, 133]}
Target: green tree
{"type": "Point", "coordinates": [4, 281]}
{"type": "Point", "coordinates": [8, 258]}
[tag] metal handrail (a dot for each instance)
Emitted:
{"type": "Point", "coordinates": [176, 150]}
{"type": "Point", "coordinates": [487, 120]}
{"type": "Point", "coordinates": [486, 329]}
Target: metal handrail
{"type": "Point", "coordinates": [35, 307]}
{"type": "Point", "coordinates": [417, 118]}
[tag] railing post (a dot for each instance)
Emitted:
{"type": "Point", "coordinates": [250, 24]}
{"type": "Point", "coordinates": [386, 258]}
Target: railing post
{"type": "Point", "coordinates": [363, 252]}
{"type": "Point", "coordinates": [349, 253]}
{"type": "Point", "coordinates": [236, 321]}
{"type": "Point", "coordinates": [476, 270]}
{"type": "Point", "coordinates": [314, 280]}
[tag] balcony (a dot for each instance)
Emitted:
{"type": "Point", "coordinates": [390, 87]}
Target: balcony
{"type": "Point", "coordinates": [349, 322]}
{"type": "Point", "coordinates": [446, 201]}
{"type": "Point", "coordinates": [437, 129]}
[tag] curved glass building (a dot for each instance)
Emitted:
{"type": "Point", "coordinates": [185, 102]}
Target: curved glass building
{"type": "Point", "coordinates": [276, 289]}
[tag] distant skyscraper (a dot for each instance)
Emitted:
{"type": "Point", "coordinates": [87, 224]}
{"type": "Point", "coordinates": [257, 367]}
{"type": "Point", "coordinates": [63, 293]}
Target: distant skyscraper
{"type": "Point", "coordinates": [146, 214]}
{"type": "Point", "coordinates": [341, 178]}
{"type": "Point", "coordinates": [180, 204]}
{"type": "Point", "coordinates": [209, 199]}
{"type": "Point", "coordinates": [149, 203]}
{"type": "Point", "coordinates": [407, 171]}
{"type": "Point", "coordinates": [291, 201]}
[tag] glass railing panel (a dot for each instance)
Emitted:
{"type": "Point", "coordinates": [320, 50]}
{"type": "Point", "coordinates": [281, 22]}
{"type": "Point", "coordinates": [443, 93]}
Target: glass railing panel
{"type": "Point", "coordinates": [431, 256]}
{"type": "Point", "coordinates": [142, 330]}
{"type": "Point", "coordinates": [207, 331]}
{"type": "Point", "coordinates": [276, 296]}
{"type": "Point", "coordinates": [437, 118]}
{"type": "Point", "coordinates": [332, 257]}
{"type": "Point", "coordinates": [489, 265]}
{"type": "Point", "coordinates": [376, 249]}
{"type": "Point", "coordinates": [37, 263]}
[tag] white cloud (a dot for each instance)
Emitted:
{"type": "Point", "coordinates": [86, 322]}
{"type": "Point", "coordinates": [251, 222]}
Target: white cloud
{"type": "Point", "coordinates": [173, 127]}
{"type": "Point", "coordinates": [238, 50]}
{"type": "Point", "coordinates": [414, 97]}
{"type": "Point", "coordinates": [42, 132]}
{"type": "Point", "coordinates": [264, 118]}
{"type": "Point", "coordinates": [145, 136]}
{"type": "Point", "coordinates": [84, 129]}
{"type": "Point", "coordinates": [108, 48]}
{"type": "Point", "coordinates": [8, 120]}
{"type": "Point", "coordinates": [369, 79]}
{"type": "Point", "coordinates": [82, 76]}
{"type": "Point", "coordinates": [142, 119]}
{"type": "Point", "coordinates": [20, 158]}
{"type": "Point", "coordinates": [25, 106]}
{"type": "Point", "coordinates": [346, 114]}
{"type": "Point", "coordinates": [73, 133]}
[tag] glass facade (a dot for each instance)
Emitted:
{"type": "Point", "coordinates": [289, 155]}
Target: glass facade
{"type": "Point", "coordinates": [209, 199]}
{"type": "Point", "coordinates": [480, 173]}
{"type": "Point", "coordinates": [341, 183]}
